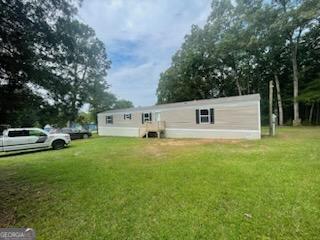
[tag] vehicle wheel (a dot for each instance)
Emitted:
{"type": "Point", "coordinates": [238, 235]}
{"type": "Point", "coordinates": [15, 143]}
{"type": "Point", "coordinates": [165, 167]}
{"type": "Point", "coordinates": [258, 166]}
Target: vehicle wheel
{"type": "Point", "coordinates": [85, 136]}
{"type": "Point", "coordinates": [58, 144]}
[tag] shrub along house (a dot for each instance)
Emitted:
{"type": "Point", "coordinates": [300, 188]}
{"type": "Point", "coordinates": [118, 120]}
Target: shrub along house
{"type": "Point", "coordinates": [225, 118]}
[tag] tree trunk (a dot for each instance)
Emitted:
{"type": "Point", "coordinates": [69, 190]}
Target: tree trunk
{"type": "Point", "coordinates": [73, 113]}
{"type": "Point", "coordinates": [294, 50]}
{"type": "Point", "coordinates": [271, 132]}
{"type": "Point", "coordinates": [311, 113]}
{"type": "Point", "coordinates": [238, 86]}
{"type": "Point", "coordinates": [280, 108]}
{"type": "Point", "coordinates": [236, 77]}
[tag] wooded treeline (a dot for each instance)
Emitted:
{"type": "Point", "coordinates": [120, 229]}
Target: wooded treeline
{"type": "Point", "coordinates": [51, 64]}
{"type": "Point", "coordinates": [244, 45]}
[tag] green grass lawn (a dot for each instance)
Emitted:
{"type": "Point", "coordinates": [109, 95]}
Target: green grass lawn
{"type": "Point", "coordinates": [129, 188]}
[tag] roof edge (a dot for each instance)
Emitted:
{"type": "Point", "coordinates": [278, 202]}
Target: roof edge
{"type": "Point", "coordinates": [248, 97]}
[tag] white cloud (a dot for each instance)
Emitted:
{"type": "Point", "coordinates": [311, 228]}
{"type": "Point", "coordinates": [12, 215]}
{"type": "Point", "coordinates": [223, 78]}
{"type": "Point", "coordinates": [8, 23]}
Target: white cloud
{"type": "Point", "coordinates": [141, 36]}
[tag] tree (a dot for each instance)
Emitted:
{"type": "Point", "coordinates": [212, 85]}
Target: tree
{"type": "Point", "coordinates": [82, 62]}
{"type": "Point", "coordinates": [294, 20]}
{"type": "Point", "coordinates": [84, 118]}
{"type": "Point", "coordinates": [310, 85]}
{"type": "Point", "coordinates": [213, 61]}
{"type": "Point", "coordinates": [99, 98]}
{"type": "Point", "coordinates": [311, 95]}
{"type": "Point", "coordinates": [29, 108]}
{"type": "Point", "coordinates": [27, 36]}
{"type": "Point", "coordinates": [243, 46]}
{"type": "Point", "coordinates": [46, 54]}
{"type": "Point", "coordinates": [271, 50]}
{"type": "Point", "coordinates": [121, 104]}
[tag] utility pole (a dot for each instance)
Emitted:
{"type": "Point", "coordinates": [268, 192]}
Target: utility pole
{"type": "Point", "coordinates": [271, 131]}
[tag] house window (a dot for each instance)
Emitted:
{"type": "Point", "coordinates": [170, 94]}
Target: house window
{"type": "Point", "coordinates": [109, 119]}
{"type": "Point", "coordinates": [157, 116]}
{"type": "Point", "coordinates": [204, 115]}
{"type": "Point", "coordinates": [146, 117]}
{"type": "Point", "coordinates": [127, 116]}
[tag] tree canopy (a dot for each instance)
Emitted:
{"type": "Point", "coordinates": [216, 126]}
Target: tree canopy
{"type": "Point", "coordinates": [243, 46]}
{"type": "Point", "coordinates": [51, 64]}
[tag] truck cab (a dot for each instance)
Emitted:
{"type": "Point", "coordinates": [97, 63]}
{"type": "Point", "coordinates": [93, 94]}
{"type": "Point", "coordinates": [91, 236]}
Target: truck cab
{"type": "Point", "coordinates": [16, 139]}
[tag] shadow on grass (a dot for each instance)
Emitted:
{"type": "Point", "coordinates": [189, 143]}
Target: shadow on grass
{"type": "Point", "coordinates": [25, 152]}
{"type": "Point", "coordinates": [16, 192]}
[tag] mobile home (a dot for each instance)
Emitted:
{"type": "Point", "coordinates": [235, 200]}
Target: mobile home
{"type": "Point", "coordinates": [223, 118]}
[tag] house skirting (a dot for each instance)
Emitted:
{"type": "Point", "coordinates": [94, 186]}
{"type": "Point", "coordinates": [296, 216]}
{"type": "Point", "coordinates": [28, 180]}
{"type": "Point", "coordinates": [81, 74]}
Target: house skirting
{"type": "Point", "coordinates": [185, 133]}
{"type": "Point", "coordinates": [119, 131]}
{"type": "Point", "coordinates": [212, 133]}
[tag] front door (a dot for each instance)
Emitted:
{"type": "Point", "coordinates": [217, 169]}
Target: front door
{"type": "Point", "coordinates": [157, 116]}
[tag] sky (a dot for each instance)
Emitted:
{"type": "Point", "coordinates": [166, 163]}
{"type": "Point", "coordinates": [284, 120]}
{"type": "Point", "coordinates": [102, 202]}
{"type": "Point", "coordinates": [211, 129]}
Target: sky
{"type": "Point", "coordinates": [141, 36]}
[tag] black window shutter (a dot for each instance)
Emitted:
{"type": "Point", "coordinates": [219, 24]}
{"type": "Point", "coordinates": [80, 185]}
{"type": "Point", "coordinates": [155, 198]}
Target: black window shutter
{"type": "Point", "coordinates": [211, 115]}
{"type": "Point", "coordinates": [150, 118]}
{"type": "Point", "coordinates": [197, 116]}
{"type": "Point", "coordinates": [142, 118]}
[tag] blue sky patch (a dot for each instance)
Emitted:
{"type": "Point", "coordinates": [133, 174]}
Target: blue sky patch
{"type": "Point", "coordinates": [140, 37]}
